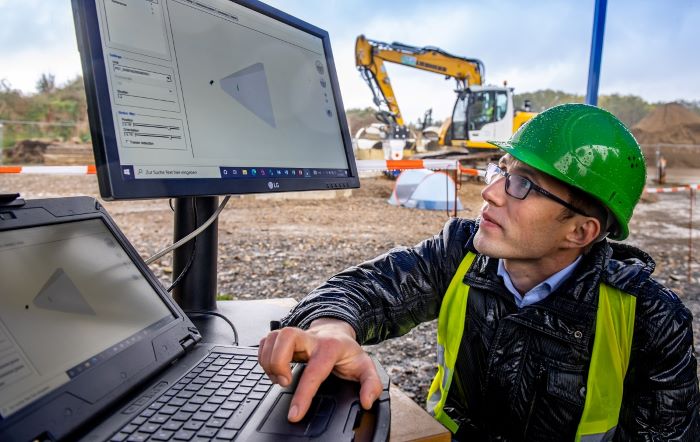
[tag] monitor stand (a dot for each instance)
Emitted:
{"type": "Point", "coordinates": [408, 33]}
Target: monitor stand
{"type": "Point", "coordinates": [197, 291]}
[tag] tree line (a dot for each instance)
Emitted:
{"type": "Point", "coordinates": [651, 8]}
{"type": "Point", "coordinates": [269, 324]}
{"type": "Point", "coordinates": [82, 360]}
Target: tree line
{"type": "Point", "coordinates": [630, 109]}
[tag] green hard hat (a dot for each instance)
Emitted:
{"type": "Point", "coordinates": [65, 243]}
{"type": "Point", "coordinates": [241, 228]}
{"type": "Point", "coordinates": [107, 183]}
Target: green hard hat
{"type": "Point", "coordinates": [588, 148]}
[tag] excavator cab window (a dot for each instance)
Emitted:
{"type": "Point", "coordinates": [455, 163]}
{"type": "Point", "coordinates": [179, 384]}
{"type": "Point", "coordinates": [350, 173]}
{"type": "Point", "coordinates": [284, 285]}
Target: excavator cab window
{"type": "Point", "coordinates": [486, 107]}
{"type": "Point", "coordinates": [459, 118]}
{"type": "Point", "coordinates": [501, 105]}
{"type": "Point", "coordinates": [481, 109]}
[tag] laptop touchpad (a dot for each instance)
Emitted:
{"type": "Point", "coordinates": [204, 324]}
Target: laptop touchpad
{"type": "Point", "coordinates": [314, 423]}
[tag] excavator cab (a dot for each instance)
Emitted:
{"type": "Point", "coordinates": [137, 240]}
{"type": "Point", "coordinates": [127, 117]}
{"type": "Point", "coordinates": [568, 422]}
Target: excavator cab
{"type": "Point", "coordinates": [481, 114]}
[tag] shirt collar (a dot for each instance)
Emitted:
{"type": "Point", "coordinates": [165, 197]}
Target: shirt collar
{"type": "Point", "coordinates": [541, 290]}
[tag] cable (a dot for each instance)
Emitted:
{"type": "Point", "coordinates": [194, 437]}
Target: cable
{"type": "Point", "coordinates": [207, 312]}
{"type": "Point", "coordinates": [184, 271]}
{"type": "Point", "coordinates": [190, 260]}
{"type": "Point", "coordinates": [192, 234]}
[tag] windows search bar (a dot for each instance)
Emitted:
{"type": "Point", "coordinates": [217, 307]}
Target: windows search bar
{"type": "Point", "coordinates": [161, 172]}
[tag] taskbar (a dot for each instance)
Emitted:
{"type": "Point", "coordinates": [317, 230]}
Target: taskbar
{"type": "Point", "coordinates": [276, 172]}
{"type": "Point", "coordinates": [137, 172]}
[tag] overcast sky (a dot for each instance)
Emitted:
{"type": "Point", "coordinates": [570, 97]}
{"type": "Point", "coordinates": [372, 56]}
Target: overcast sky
{"type": "Point", "coordinates": [650, 49]}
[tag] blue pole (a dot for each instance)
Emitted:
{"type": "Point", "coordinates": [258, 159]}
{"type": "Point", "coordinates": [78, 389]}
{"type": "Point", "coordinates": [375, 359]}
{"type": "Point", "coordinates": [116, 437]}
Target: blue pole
{"type": "Point", "coordinates": [596, 52]}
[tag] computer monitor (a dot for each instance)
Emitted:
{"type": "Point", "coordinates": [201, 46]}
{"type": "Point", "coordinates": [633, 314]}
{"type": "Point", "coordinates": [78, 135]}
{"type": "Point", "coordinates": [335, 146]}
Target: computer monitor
{"type": "Point", "coordinates": [210, 97]}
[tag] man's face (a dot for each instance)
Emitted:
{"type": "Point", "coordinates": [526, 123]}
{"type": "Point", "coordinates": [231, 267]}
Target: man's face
{"type": "Point", "coordinates": [521, 229]}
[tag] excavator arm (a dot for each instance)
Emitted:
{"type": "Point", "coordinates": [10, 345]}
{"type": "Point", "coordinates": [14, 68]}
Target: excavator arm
{"type": "Point", "coordinates": [370, 56]}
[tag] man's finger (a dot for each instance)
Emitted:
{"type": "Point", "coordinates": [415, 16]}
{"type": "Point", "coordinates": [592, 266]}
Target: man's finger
{"type": "Point", "coordinates": [288, 342]}
{"type": "Point", "coordinates": [265, 354]}
{"type": "Point", "coordinates": [261, 344]}
{"type": "Point", "coordinates": [316, 371]}
{"type": "Point", "coordinates": [370, 384]}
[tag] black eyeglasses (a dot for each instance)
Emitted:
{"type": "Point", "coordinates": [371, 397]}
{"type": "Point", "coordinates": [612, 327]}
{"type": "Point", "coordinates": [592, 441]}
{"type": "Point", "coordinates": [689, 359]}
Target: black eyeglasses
{"type": "Point", "coordinates": [519, 187]}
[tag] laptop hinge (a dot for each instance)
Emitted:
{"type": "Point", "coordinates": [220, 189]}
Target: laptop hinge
{"type": "Point", "coordinates": [188, 342]}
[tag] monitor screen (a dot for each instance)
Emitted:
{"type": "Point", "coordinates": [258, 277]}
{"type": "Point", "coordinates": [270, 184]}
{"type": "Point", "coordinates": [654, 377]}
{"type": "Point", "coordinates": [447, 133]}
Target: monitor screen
{"type": "Point", "coordinates": [210, 97]}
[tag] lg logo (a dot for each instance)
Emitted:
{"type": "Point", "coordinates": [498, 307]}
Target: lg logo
{"type": "Point", "coordinates": [271, 185]}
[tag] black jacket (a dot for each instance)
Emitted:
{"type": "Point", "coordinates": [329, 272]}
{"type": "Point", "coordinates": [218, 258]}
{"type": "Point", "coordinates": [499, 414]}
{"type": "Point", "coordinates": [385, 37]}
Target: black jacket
{"type": "Point", "coordinates": [521, 373]}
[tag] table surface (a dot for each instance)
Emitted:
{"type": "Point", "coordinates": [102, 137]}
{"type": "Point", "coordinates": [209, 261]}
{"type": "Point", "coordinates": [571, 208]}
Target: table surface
{"type": "Point", "coordinates": [409, 421]}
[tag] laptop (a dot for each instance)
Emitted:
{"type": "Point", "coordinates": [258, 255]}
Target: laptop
{"type": "Point", "coordinates": [93, 348]}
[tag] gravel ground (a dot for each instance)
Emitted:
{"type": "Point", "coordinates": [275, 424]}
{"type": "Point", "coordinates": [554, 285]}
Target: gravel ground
{"type": "Point", "coordinates": [285, 247]}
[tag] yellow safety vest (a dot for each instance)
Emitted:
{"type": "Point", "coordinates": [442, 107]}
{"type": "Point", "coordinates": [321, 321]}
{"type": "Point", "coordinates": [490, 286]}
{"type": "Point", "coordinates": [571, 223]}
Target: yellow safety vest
{"type": "Point", "coordinates": [611, 353]}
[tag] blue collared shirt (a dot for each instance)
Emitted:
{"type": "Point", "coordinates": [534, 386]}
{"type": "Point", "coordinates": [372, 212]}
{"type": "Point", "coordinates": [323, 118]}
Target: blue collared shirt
{"type": "Point", "coordinates": [541, 290]}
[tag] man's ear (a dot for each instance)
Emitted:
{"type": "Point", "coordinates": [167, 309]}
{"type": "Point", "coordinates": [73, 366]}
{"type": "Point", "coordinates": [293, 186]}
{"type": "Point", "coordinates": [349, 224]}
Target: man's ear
{"type": "Point", "coordinates": [584, 232]}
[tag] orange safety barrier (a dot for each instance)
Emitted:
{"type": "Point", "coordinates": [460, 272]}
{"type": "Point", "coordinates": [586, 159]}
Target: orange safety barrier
{"type": "Point", "coordinates": [10, 169]}
{"type": "Point", "coordinates": [472, 172]}
{"type": "Point", "coordinates": [49, 170]}
{"type": "Point", "coordinates": [404, 164]}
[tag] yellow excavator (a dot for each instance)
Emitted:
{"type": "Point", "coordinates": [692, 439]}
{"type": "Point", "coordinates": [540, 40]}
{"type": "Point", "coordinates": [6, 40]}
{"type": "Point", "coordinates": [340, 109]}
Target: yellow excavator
{"type": "Point", "coordinates": [481, 113]}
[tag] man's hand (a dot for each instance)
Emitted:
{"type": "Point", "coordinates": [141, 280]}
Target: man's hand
{"type": "Point", "coordinates": [327, 346]}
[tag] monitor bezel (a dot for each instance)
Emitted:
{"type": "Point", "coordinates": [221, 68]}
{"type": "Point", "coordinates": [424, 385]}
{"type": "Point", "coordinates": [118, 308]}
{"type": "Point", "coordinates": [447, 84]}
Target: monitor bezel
{"type": "Point", "coordinates": [109, 174]}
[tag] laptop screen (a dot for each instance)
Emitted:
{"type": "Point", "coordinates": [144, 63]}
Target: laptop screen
{"type": "Point", "coordinates": [70, 298]}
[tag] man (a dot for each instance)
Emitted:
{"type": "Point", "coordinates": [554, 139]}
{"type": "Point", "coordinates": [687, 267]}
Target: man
{"type": "Point", "coordinates": [546, 331]}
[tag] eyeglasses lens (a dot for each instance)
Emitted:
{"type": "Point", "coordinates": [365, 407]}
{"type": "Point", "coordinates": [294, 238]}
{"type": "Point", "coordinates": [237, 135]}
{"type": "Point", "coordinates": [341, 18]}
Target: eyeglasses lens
{"type": "Point", "coordinates": [517, 186]}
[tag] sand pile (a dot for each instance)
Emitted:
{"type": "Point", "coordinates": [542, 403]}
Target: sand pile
{"type": "Point", "coordinates": [675, 131]}
{"type": "Point", "coordinates": [668, 124]}
{"type": "Point", "coordinates": [27, 152]}
{"type": "Point", "coordinates": [52, 153]}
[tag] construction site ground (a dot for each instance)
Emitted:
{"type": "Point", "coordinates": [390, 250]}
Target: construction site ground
{"type": "Point", "coordinates": [277, 247]}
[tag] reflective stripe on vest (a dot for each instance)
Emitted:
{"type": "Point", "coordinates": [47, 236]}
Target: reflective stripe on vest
{"type": "Point", "coordinates": [609, 361]}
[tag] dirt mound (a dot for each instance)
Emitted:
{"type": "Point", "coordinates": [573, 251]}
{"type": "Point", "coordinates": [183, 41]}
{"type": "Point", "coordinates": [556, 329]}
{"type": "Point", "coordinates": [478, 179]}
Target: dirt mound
{"type": "Point", "coordinates": [51, 153]}
{"type": "Point", "coordinates": [674, 131]}
{"type": "Point", "coordinates": [668, 124]}
{"type": "Point", "coordinates": [27, 152]}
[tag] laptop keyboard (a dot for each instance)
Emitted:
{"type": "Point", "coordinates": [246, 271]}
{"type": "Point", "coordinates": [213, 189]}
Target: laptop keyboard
{"type": "Point", "coordinates": [212, 402]}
